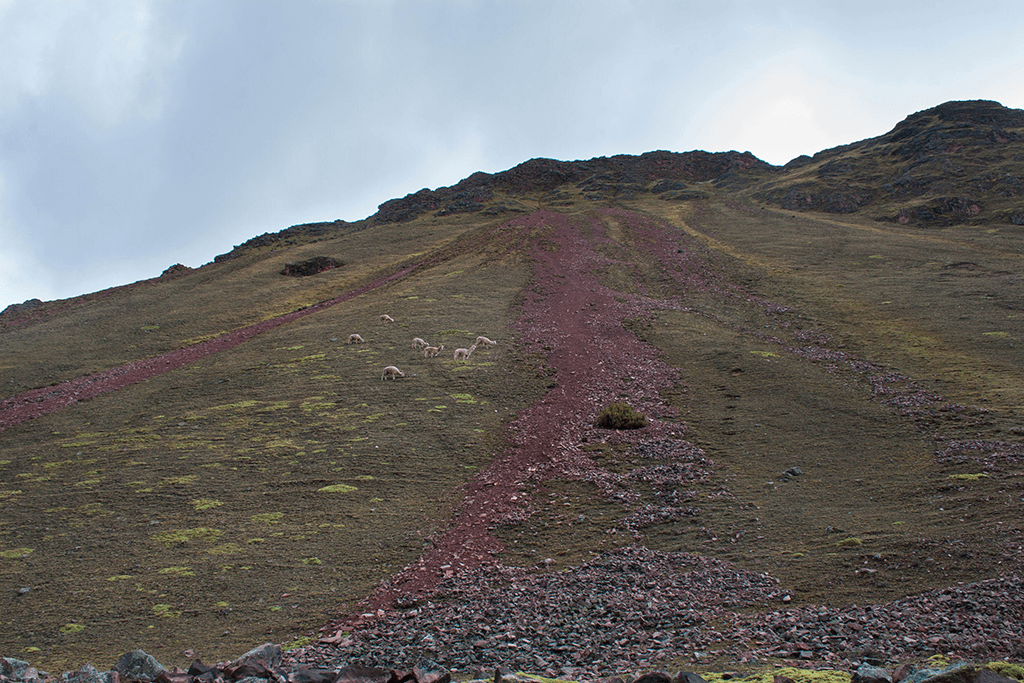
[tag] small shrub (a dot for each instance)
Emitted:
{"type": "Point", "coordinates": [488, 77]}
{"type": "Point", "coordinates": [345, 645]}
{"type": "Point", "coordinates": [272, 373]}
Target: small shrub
{"type": "Point", "coordinates": [621, 416]}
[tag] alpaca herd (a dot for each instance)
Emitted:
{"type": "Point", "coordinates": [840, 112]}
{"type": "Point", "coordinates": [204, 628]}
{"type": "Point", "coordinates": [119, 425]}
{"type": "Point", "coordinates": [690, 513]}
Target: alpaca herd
{"type": "Point", "coordinates": [392, 372]}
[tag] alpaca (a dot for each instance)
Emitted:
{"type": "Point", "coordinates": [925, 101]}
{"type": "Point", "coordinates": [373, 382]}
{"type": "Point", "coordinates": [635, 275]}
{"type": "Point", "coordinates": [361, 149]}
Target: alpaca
{"type": "Point", "coordinates": [392, 372]}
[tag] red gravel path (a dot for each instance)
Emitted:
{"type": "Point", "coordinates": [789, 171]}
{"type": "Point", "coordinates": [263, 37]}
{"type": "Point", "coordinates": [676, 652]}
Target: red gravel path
{"type": "Point", "coordinates": [32, 404]}
{"type": "Point", "coordinates": [597, 361]}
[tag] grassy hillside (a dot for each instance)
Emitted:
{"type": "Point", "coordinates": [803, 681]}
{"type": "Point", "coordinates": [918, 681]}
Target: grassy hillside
{"type": "Point", "coordinates": [264, 490]}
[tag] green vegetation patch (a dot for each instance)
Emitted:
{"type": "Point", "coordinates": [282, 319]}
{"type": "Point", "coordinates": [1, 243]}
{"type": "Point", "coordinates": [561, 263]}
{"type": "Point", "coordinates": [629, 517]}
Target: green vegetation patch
{"type": "Point", "coordinates": [621, 416]}
{"type": "Point", "coordinates": [969, 477]}
{"type": "Point", "coordinates": [16, 553]}
{"type": "Point", "coordinates": [206, 503]}
{"type": "Point", "coordinates": [176, 536]}
{"type": "Point", "coordinates": [177, 571]}
{"type": "Point", "coordinates": [337, 488]}
{"type": "Point", "coordinates": [235, 406]}
{"type": "Point", "coordinates": [268, 518]}
{"type": "Point", "coordinates": [164, 611]}
{"type": "Point", "coordinates": [852, 542]}
{"type": "Point", "coordinates": [180, 481]}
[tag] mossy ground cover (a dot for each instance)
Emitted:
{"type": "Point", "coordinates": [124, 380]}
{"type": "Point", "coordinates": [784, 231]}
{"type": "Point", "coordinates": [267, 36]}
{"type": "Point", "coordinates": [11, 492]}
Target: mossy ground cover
{"type": "Point", "coordinates": [259, 492]}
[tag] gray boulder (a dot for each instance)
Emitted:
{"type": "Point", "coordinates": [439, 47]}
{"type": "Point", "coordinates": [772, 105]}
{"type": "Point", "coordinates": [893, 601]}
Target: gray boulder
{"type": "Point", "coordinates": [138, 664]}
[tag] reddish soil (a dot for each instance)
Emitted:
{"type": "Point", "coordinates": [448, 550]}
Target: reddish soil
{"type": "Point", "coordinates": [31, 404]}
{"type": "Point", "coordinates": [581, 328]}
{"type": "Point", "coordinates": [577, 324]}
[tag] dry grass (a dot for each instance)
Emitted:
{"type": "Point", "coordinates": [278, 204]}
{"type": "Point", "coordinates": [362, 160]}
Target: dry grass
{"type": "Point", "coordinates": [263, 490]}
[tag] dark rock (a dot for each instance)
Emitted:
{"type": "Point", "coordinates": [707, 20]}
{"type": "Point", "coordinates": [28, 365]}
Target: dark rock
{"type": "Point", "coordinates": [174, 675]}
{"type": "Point", "coordinates": [961, 672]}
{"type": "Point", "coordinates": [308, 675]}
{"type": "Point", "coordinates": [137, 664]}
{"type": "Point", "coordinates": [88, 674]}
{"type": "Point", "coordinates": [429, 671]}
{"type": "Point", "coordinates": [176, 270]}
{"type": "Point", "coordinates": [901, 672]}
{"type": "Point", "coordinates": [654, 677]}
{"type": "Point", "coordinates": [312, 266]}
{"type": "Point", "coordinates": [360, 673]}
{"type": "Point", "coordinates": [688, 677]}
{"type": "Point", "coordinates": [198, 668]}
{"type": "Point", "coordinates": [15, 309]}
{"type": "Point", "coordinates": [17, 669]}
{"type": "Point", "coordinates": [259, 661]}
{"type": "Point", "coordinates": [867, 673]}
{"type": "Point", "coordinates": [990, 676]}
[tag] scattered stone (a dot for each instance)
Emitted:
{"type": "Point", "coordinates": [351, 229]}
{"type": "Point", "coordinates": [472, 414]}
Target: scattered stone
{"type": "Point", "coordinates": [88, 674]}
{"type": "Point", "coordinates": [17, 670]}
{"type": "Point", "coordinates": [429, 671]}
{"type": "Point", "coordinates": [654, 677]}
{"type": "Point", "coordinates": [139, 665]}
{"type": "Point", "coordinates": [867, 673]}
{"type": "Point", "coordinates": [360, 673]}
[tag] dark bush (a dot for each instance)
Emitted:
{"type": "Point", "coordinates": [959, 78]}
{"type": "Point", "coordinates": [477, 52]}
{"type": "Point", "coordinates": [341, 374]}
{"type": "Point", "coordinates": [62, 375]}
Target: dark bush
{"type": "Point", "coordinates": [621, 416]}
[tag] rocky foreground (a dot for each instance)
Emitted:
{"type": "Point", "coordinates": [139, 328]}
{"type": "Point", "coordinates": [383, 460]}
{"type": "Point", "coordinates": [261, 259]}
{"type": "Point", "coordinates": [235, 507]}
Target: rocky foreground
{"type": "Point", "coordinates": [632, 609]}
{"type": "Point", "coordinates": [266, 664]}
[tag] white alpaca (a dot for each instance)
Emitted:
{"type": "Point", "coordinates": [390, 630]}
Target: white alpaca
{"type": "Point", "coordinates": [418, 343]}
{"type": "Point", "coordinates": [385, 318]}
{"type": "Point", "coordinates": [432, 351]}
{"type": "Point", "coordinates": [485, 341]}
{"type": "Point", "coordinates": [464, 354]}
{"type": "Point", "coordinates": [355, 339]}
{"type": "Point", "coordinates": [392, 372]}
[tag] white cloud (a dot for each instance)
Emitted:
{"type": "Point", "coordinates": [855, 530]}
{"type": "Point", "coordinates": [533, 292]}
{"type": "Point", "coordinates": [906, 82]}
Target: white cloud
{"type": "Point", "coordinates": [783, 111]}
{"type": "Point", "coordinates": [23, 275]}
{"type": "Point", "coordinates": [107, 57]}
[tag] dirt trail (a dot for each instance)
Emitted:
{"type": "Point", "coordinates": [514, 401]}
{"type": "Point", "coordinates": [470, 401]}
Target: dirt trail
{"type": "Point", "coordinates": [578, 325]}
{"type": "Point", "coordinates": [45, 400]}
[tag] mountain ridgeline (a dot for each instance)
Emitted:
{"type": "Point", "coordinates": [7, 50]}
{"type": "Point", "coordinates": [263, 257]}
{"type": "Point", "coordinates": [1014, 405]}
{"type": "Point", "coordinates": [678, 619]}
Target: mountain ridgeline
{"type": "Point", "coordinates": [959, 162]}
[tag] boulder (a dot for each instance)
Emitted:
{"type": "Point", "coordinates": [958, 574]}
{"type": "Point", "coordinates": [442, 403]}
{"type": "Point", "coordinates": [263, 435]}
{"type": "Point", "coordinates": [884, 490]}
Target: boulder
{"type": "Point", "coordinates": [311, 266]}
{"type": "Point", "coordinates": [867, 673]}
{"type": "Point", "coordinates": [138, 664]}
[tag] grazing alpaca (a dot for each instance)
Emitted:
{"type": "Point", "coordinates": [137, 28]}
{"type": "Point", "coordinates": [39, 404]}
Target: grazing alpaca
{"type": "Point", "coordinates": [385, 318]}
{"type": "Point", "coordinates": [432, 351]}
{"type": "Point", "coordinates": [392, 372]}
{"type": "Point", "coordinates": [418, 343]}
{"type": "Point", "coordinates": [355, 339]}
{"type": "Point", "coordinates": [485, 341]}
{"type": "Point", "coordinates": [464, 354]}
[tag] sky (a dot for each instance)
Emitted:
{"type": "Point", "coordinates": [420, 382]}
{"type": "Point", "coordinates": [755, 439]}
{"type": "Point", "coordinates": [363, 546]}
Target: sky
{"type": "Point", "coordinates": [137, 134]}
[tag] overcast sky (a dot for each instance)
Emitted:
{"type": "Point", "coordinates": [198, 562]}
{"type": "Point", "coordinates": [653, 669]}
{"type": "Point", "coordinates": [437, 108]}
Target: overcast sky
{"type": "Point", "coordinates": [137, 135]}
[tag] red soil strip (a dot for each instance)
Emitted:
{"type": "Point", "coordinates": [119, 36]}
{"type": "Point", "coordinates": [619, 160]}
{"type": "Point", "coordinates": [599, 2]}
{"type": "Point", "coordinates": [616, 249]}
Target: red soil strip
{"type": "Point", "coordinates": [32, 404]}
{"type": "Point", "coordinates": [597, 361]}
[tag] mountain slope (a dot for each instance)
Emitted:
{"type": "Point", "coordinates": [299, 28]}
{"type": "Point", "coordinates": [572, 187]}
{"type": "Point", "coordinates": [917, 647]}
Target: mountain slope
{"type": "Point", "coordinates": [280, 484]}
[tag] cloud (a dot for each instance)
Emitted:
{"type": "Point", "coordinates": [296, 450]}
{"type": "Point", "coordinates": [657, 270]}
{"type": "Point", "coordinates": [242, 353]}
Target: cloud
{"type": "Point", "coordinates": [23, 275]}
{"type": "Point", "coordinates": [783, 111]}
{"type": "Point", "coordinates": [107, 57]}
